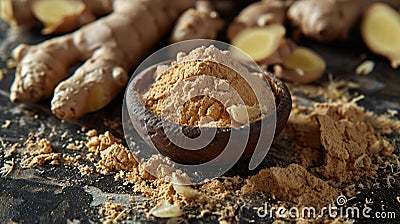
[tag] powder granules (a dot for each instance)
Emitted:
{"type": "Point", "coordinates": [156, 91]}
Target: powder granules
{"type": "Point", "coordinates": [339, 136]}
{"type": "Point", "coordinates": [336, 144]}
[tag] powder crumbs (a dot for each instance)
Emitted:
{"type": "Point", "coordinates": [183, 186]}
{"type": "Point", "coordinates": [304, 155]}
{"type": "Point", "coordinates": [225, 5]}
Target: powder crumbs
{"type": "Point", "coordinates": [337, 146]}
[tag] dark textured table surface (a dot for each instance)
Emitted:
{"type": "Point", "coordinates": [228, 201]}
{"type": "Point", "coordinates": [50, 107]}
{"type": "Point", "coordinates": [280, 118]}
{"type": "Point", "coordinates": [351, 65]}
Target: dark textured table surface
{"type": "Point", "coordinates": [53, 194]}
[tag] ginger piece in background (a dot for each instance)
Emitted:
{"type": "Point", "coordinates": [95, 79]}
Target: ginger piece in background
{"type": "Point", "coordinates": [62, 15]}
{"type": "Point", "coordinates": [302, 66]}
{"type": "Point", "coordinates": [323, 21]}
{"type": "Point", "coordinates": [267, 45]}
{"type": "Point", "coordinates": [326, 21]}
{"type": "Point", "coordinates": [258, 31]}
{"type": "Point", "coordinates": [202, 22]}
{"type": "Point", "coordinates": [17, 13]}
{"type": "Point", "coordinates": [57, 16]}
{"type": "Point", "coordinates": [259, 14]}
{"type": "Point", "coordinates": [380, 30]}
{"type": "Point", "coordinates": [261, 43]}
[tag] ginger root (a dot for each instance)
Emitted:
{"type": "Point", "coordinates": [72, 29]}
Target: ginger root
{"type": "Point", "coordinates": [267, 45]}
{"type": "Point", "coordinates": [303, 66]}
{"type": "Point", "coordinates": [202, 22]}
{"type": "Point", "coordinates": [259, 14]}
{"type": "Point", "coordinates": [380, 30]}
{"type": "Point", "coordinates": [110, 46]}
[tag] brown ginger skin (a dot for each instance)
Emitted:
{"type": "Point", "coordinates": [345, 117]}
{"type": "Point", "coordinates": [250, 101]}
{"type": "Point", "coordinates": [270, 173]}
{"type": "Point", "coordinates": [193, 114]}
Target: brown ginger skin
{"type": "Point", "coordinates": [17, 13]}
{"type": "Point", "coordinates": [110, 46]}
{"type": "Point", "coordinates": [259, 14]}
{"type": "Point", "coordinates": [202, 22]}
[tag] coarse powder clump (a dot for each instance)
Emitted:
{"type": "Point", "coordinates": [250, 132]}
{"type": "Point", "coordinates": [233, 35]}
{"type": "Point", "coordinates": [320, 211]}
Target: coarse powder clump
{"type": "Point", "coordinates": [199, 88]}
{"type": "Point", "coordinates": [40, 152]}
{"type": "Point", "coordinates": [114, 156]}
{"type": "Point", "coordinates": [335, 144]}
{"type": "Point", "coordinates": [294, 184]}
{"type": "Point", "coordinates": [338, 141]}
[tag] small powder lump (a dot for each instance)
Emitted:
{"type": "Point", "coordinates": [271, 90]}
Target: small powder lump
{"type": "Point", "coordinates": [208, 87]}
{"type": "Point", "coordinates": [293, 183]}
{"type": "Point", "coordinates": [342, 140]}
{"type": "Point", "coordinates": [114, 156]}
{"type": "Point", "coordinates": [40, 153]}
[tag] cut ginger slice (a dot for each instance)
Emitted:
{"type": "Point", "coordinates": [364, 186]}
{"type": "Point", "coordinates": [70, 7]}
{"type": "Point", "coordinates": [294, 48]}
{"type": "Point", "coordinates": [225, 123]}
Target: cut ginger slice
{"type": "Point", "coordinates": [302, 66]}
{"type": "Point", "coordinates": [60, 15]}
{"type": "Point", "coordinates": [380, 30]}
{"type": "Point", "coordinates": [260, 43]}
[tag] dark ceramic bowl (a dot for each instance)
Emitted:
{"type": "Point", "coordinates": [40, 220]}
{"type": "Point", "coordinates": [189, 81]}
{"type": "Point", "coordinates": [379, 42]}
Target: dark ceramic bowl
{"type": "Point", "coordinates": [155, 127]}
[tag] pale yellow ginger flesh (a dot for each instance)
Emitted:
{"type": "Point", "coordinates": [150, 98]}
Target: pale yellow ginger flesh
{"type": "Point", "coordinates": [51, 12]}
{"type": "Point", "coordinates": [109, 46]}
{"type": "Point", "coordinates": [380, 30]}
{"type": "Point", "coordinates": [260, 43]}
{"type": "Point", "coordinates": [60, 15]}
{"type": "Point", "coordinates": [303, 66]}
